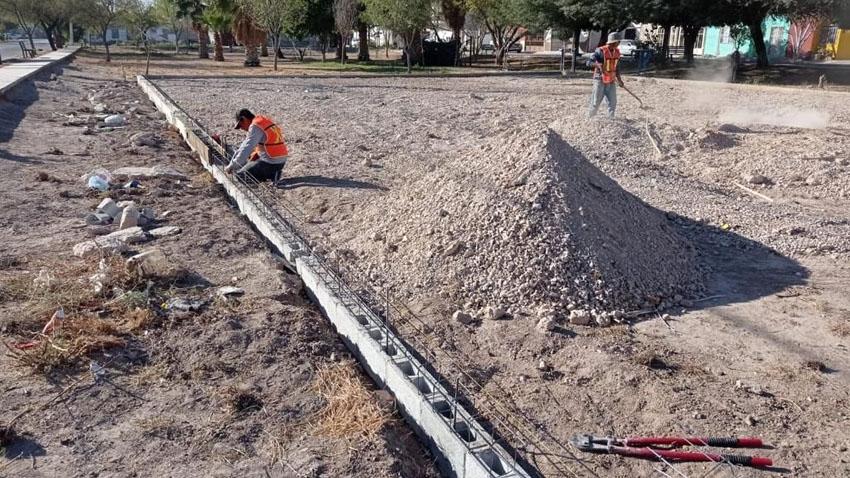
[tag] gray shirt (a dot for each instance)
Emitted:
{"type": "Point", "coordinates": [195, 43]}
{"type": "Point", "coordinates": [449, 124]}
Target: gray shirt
{"type": "Point", "coordinates": [243, 154]}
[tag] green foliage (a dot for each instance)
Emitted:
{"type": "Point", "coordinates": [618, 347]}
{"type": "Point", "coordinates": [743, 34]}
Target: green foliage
{"type": "Point", "coordinates": [401, 16]}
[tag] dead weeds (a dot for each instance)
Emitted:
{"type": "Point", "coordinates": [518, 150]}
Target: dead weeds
{"type": "Point", "coordinates": [350, 408]}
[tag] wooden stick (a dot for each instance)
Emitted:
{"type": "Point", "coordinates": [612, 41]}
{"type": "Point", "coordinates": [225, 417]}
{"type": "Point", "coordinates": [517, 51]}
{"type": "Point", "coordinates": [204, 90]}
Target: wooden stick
{"type": "Point", "coordinates": [754, 193]}
{"type": "Point", "coordinates": [652, 140]}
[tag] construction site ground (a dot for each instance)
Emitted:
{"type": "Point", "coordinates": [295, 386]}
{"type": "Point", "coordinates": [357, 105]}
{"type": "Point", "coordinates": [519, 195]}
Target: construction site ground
{"type": "Point", "coordinates": [755, 179]}
{"type": "Point", "coordinates": [128, 385]}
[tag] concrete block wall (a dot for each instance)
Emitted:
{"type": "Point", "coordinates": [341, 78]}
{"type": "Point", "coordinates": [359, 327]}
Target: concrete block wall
{"type": "Point", "coordinates": [462, 446]}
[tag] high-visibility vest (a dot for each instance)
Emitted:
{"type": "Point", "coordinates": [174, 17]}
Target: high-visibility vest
{"type": "Point", "coordinates": [274, 145]}
{"type": "Point", "coordinates": [609, 65]}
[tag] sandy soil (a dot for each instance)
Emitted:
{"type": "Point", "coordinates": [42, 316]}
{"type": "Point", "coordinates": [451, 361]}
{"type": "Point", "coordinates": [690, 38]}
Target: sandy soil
{"type": "Point", "coordinates": [764, 354]}
{"type": "Point", "coordinates": [227, 391]}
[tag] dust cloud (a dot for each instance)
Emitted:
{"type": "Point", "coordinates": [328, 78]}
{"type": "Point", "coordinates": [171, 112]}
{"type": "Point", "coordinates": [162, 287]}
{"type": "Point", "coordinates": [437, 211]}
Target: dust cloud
{"type": "Point", "coordinates": [790, 117]}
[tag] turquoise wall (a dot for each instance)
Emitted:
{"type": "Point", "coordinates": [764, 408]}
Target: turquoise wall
{"type": "Point", "coordinates": [713, 46]}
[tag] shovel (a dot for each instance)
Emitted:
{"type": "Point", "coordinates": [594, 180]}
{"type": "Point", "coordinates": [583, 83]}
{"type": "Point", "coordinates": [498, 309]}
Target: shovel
{"type": "Point", "coordinates": [634, 96]}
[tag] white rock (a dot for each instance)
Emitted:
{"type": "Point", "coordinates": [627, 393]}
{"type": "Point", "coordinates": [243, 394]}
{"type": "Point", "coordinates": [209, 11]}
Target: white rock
{"type": "Point", "coordinates": [580, 317]}
{"type": "Point", "coordinates": [100, 245]}
{"type": "Point", "coordinates": [814, 180]}
{"type": "Point", "coordinates": [462, 317]}
{"type": "Point", "coordinates": [546, 324]}
{"type": "Point", "coordinates": [229, 290]}
{"type": "Point", "coordinates": [165, 231]}
{"type": "Point", "coordinates": [108, 206]}
{"type": "Point", "coordinates": [453, 249]}
{"type": "Point", "coordinates": [755, 179]}
{"type": "Point", "coordinates": [152, 263]}
{"type": "Point", "coordinates": [493, 313]}
{"type": "Point", "coordinates": [128, 236]}
{"type": "Point", "coordinates": [542, 365]}
{"type": "Point", "coordinates": [114, 120]}
{"type": "Point", "coordinates": [604, 319]}
{"type": "Point", "coordinates": [129, 217]}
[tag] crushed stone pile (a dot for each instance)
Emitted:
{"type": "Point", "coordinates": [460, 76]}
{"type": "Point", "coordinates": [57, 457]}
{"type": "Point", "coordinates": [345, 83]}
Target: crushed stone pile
{"type": "Point", "coordinates": [526, 223]}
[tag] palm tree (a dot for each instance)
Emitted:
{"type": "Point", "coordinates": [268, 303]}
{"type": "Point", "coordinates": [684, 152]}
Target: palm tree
{"type": "Point", "coordinates": [219, 18]}
{"type": "Point", "coordinates": [249, 34]}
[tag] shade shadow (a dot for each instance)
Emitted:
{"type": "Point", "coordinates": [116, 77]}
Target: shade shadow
{"type": "Point", "coordinates": [325, 182]}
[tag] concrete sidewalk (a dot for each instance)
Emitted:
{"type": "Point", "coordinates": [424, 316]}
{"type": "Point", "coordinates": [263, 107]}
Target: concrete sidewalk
{"type": "Point", "coordinates": [12, 74]}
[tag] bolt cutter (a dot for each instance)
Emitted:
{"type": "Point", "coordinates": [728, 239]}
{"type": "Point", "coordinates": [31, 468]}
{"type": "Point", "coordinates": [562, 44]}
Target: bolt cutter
{"type": "Point", "coordinates": [648, 448]}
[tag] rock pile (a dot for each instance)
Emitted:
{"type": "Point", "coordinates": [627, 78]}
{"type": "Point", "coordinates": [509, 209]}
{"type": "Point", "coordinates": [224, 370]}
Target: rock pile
{"type": "Point", "coordinates": [542, 230]}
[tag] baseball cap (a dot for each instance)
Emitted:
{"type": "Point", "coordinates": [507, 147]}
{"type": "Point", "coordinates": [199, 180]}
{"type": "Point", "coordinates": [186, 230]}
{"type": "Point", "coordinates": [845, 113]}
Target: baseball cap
{"type": "Point", "coordinates": [242, 114]}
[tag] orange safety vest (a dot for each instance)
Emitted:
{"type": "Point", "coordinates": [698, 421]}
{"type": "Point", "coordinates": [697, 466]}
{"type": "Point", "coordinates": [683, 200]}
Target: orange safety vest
{"type": "Point", "coordinates": [609, 66]}
{"type": "Point", "coordinates": [274, 145]}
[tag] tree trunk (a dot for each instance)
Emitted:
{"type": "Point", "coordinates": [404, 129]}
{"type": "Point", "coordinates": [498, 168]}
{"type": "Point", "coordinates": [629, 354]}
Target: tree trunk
{"type": "Point", "coordinates": [603, 38]}
{"type": "Point", "coordinates": [219, 47]}
{"type": "Point", "coordinates": [32, 43]}
{"type": "Point", "coordinates": [48, 32]}
{"type": "Point", "coordinates": [758, 42]}
{"type": "Point", "coordinates": [203, 42]}
{"type": "Point", "coordinates": [691, 33]}
{"type": "Point", "coordinates": [500, 55]}
{"type": "Point", "coordinates": [363, 35]}
{"type": "Point", "coordinates": [341, 48]}
{"type": "Point", "coordinates": [252, 55]}
{"type": "Point", "coordinates": [456, 37]}
{"type": "Point", "coordinates": [106, 45]}
{"type": "Point", "coordinates": [665, 43]}
{"type": "Point", "coordinates": [407, 53]}
{"type": "Point", "coordinates": [276, 41]}
{"type": "Point", "coordinates": [576, 39]}
{"type": "Point", "coordinates": [264, 49]}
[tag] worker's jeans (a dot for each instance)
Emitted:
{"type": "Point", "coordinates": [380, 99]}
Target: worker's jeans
{"type": "Point", "coordinates": [263, 171]}
{"type": "Point", "coordinates": [603, 90]}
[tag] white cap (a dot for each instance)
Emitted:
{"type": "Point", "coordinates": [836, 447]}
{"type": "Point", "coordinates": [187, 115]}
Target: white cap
{"type": "Point", "coordinates": [613, 37]}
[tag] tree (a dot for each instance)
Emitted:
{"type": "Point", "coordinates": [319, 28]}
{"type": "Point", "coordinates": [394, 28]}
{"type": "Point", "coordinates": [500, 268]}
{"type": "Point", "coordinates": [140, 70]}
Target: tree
{"type": "Point", "coordinates": [504, 19]}
{"type": "Point", "coordinates": [363, 35]}
{"type": "Point", "coordinates": [270, 15]}
{"type": "Point", "coordinates": [139, 17]}
{"type": "Point", "coordinates": [250, 34]}
{"type": "Point", "coordinates": [296, 24]}
{"type": "Point", "coordinates": [404, 17]}
{"type": "Point", "coordinates": [100, 15]}
{"type": "Point", "coordinates": [219, 16]}
{"type": "Point", "coordinates": [345, 17]}
{"type": "Point", "coordinates": [454, 12]}
{"type": "Point", "coordinates": [23, 14]}
{"type": "Point", "coordinates": [51, 15]}
{"type": "Point", "coordinates": [194, 11]}
{"type": "Point", "coordinates": [166, 12]}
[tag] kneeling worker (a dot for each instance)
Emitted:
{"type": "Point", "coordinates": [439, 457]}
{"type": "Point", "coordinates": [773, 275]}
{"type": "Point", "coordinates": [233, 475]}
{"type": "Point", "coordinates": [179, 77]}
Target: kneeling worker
{"type": "Point", "coordinates": [263, 152]}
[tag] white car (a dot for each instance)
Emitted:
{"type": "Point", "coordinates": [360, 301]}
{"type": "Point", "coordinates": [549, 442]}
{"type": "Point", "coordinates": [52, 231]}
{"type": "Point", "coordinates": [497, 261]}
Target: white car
{"type": "Point", "coordinates": [627, 47]}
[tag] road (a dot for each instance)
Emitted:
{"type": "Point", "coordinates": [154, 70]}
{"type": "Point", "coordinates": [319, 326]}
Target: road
{"type": "Point", "coordinates": [10, 49]}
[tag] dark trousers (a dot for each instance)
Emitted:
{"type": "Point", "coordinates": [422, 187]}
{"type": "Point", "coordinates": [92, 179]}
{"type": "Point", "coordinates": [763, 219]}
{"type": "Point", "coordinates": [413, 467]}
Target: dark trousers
{"type": "Point", "coordinates": [263, 171]}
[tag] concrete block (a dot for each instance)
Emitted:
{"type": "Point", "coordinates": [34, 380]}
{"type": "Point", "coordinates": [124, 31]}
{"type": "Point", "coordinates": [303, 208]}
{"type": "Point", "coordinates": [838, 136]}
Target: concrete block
{"type": "Point", "coordinates": [129, 217]}
{"type": "Point", "coordinates": [165, 231]}
{"type": "Point", "coordinates": [108, 206]}
{"type": "Point", "coordinates": [131, 235]}
{"type": "Point", "coordinates": [100, 245]}
{"type": "Point", "coordinates": [152, 263]}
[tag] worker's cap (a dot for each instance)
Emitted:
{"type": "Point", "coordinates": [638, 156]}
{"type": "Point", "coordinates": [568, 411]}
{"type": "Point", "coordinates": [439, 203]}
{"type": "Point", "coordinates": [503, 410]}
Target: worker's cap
{"type": "Point", "coordinates": [243, 114]}
{"type": "Point", "coordinates": [613, 37]}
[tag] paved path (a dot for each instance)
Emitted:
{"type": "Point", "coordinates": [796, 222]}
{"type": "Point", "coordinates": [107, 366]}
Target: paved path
{"type": "Point", "coordinates": [11, 75]}
{"type": "Point", "coordinates": [10, 50]}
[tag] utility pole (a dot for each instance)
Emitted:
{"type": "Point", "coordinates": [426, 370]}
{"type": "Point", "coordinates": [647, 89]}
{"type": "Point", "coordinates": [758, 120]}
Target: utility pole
{"type": "Point", "coordinates": [70, 32]}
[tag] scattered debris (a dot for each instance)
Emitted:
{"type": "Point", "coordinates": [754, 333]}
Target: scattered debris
{"type": "Point", "coordinates": [129, 217]}
{"type": "Point", "coordinates": [580, 317]}
{"type": "Point", "coordinates": [184, 305]}
{"type": "Point", "coordinates": [462, 317]}
{"type": "Point", "coordinates": [165, 231]}
{"type": "Point", "coordinates": [229, 290]}
{"type": "Point", "coordinates": [152, 263]}
{"type": "Point", "coordinates": [155, 172]}
{"type": "Point", "coordinates": [114, 120]}
{"type": "Point", "coordinates": [493, 313]}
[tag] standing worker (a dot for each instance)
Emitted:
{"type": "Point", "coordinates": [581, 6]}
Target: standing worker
{"type": "Point", "coordinates": [263, 152]}
{"type": "Point", "coordinates": [606, 64]}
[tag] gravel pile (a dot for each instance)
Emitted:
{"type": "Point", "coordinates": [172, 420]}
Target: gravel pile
{"type": "Point", "coordinates": [526, 223]}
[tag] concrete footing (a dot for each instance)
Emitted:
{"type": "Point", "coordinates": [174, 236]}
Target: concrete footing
{"type": "Point", "coordinates": [461, 444]}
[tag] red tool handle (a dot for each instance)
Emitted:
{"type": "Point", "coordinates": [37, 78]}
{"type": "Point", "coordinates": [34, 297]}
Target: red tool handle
{"type": "Point", "coordinates": [681, 456]}
{"type": "Point", "coordinates": [695, 441]}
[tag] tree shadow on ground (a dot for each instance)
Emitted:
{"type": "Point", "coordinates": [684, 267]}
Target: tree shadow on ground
{"type": "Point", "coordinates": [13, 109]}
{"type": "Point", "coordinates": [24, 447]}
{"type": "Point", "coordinates": [325, 182]}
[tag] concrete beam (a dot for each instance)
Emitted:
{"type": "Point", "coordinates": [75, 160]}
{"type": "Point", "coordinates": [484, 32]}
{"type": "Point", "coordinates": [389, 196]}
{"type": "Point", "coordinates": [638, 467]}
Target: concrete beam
{"type": "Point", "coordinates": [461, 444]}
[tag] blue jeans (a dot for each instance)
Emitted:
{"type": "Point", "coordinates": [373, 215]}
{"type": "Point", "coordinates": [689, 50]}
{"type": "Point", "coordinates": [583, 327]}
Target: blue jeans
{"type": "Point", "coordinates": [603, 90]}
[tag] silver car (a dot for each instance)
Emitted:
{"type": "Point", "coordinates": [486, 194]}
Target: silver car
{"type": "Point", "coordinates": [627, 47]}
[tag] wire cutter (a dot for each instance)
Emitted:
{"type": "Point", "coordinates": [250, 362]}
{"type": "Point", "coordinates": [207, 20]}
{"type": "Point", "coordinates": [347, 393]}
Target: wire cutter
{"type": "Point", "coordinates": [647, 447]}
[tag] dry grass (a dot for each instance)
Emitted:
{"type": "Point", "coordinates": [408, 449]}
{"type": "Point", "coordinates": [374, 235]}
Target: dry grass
{"type": "Point", "coordinates": [236, 400]}
{"type": "Point", "coordinates": [841, 326]}
{"type": "Point", "coordinates": [92, 323]}
{"type": "Point", "coordinates": [350, 410]}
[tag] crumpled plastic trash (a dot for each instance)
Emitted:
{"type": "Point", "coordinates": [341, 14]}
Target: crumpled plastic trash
{"type": "Point", "coordinates": [132, 184]}
{"type": "Point", "coordinates": [185, 305]}
{"type": "Point", "coordinates": [114, 120]}
{"type": "Point", "coordinates": [97, 179]}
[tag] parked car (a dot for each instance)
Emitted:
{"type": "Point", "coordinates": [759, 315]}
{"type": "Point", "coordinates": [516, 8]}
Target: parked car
{"type": "Point", "coordinates": [628, 47]}
{"type": "Point", "coordinates": [489, 47]}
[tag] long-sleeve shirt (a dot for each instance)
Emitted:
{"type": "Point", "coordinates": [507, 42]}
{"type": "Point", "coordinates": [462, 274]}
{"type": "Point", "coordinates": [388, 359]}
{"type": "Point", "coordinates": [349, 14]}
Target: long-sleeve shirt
{"type": "Point", "coordinates": [243, 154]}
{"type": "Point", "coordinates": [599, 58]}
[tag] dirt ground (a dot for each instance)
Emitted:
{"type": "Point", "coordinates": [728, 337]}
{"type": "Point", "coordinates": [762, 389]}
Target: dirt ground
{"type": "Point", "coordinates": [128, 385]}
{"type": "Point", "coordinates": [755, 178]}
